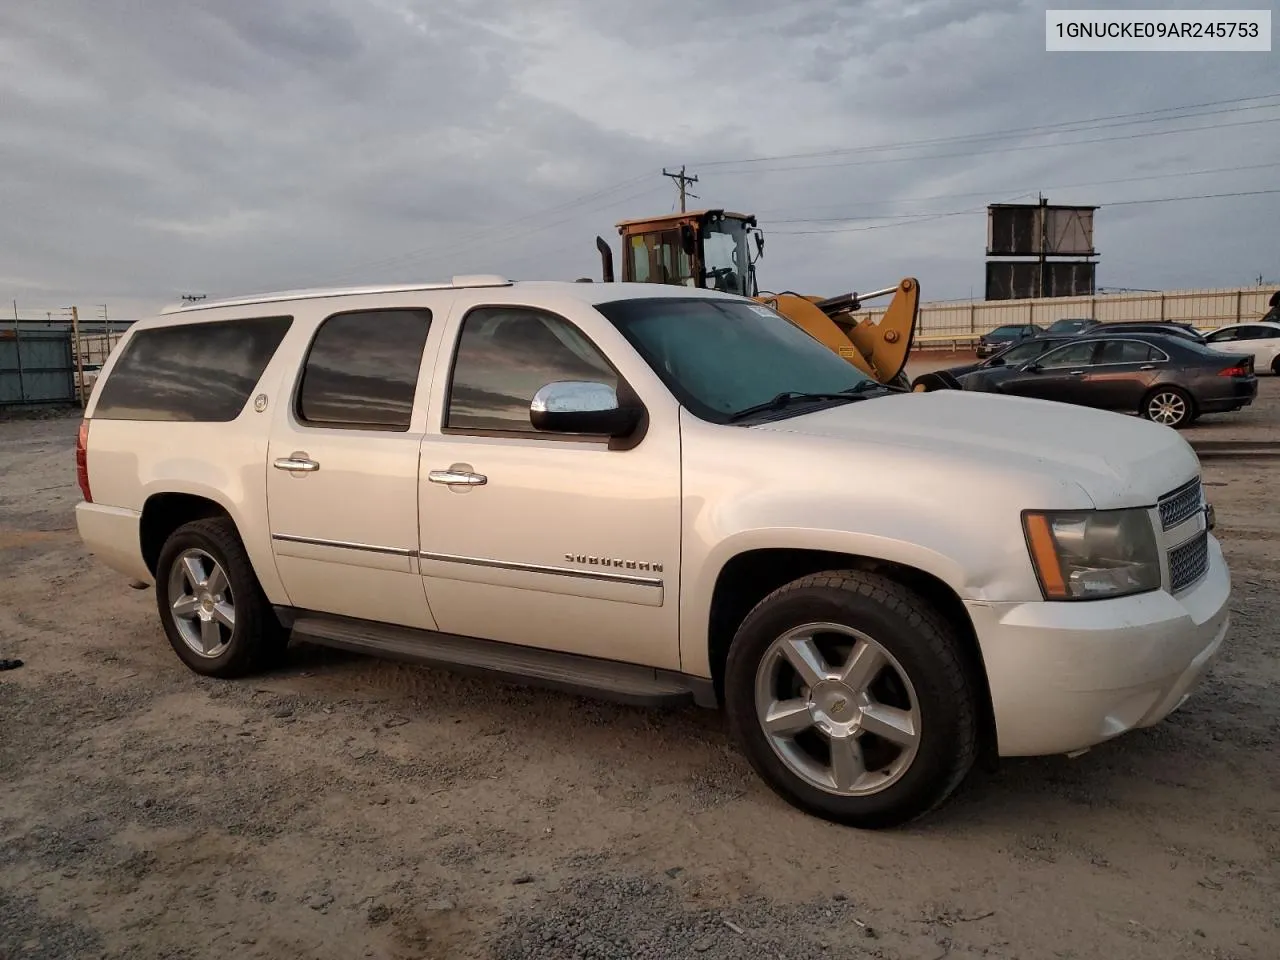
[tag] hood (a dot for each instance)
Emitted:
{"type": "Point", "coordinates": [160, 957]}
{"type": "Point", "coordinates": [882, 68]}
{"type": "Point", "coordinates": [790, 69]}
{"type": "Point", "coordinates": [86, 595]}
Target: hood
{"type": "Point", "coordinates": [1119, 460]}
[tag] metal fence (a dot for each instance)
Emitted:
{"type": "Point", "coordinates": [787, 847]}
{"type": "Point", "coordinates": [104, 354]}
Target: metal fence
{"type": "Point", "coordinates": [39, 366]}
{"type": "Point", "coordinates": [1205, 309]}
{"type": "Point", "coordinates": [36, 367]}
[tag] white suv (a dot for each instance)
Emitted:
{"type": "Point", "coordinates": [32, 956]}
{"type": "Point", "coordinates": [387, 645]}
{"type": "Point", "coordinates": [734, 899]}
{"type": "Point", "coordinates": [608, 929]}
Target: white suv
{"type": "Point", "coordinates": [661, 495]}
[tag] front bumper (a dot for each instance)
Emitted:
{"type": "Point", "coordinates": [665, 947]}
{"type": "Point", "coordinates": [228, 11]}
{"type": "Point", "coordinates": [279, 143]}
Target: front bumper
{"type": "Point", "coordinates": [1069, 675]}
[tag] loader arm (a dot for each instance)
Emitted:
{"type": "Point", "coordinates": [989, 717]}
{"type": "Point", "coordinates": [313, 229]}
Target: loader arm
{"type": "Point", "coordinates": [879, 350]}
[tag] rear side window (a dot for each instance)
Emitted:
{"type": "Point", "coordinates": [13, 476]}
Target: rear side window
{"type": "Point", "coordinates": [1127, 351]}
{"type": "Point", "coordinates": [505, 355]}
{"type": "Point", "coordinates": [192, 372]}
{"type": "Point", "coordinates": [362, 370]}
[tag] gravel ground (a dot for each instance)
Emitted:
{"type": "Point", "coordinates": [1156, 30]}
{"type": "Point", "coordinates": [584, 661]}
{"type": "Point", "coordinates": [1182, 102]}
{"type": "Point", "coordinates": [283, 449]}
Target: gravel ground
{"type": "Point", "coordinates": [344, 807]}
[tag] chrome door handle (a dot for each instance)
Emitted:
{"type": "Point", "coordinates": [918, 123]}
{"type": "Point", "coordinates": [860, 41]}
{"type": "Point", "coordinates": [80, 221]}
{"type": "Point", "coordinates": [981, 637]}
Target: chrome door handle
{"type": "Point", "coordinates": [457, 476]}
{"type": "Point", "coordinates": [296, 463]}
{"type": "Point", "coordinates": [1077, 373]}
{"type": "Point", "coordinates": [1147, 366]}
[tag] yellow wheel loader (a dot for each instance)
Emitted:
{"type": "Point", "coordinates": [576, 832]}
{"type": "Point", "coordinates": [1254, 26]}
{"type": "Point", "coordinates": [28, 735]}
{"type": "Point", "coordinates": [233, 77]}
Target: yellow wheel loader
{"type": "Point", "coordinates": [710, 249]}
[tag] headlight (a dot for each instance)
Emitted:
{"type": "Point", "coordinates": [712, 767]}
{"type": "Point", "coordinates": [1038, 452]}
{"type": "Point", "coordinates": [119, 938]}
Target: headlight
{"type": "Point", "coordinates": [1091, 554]}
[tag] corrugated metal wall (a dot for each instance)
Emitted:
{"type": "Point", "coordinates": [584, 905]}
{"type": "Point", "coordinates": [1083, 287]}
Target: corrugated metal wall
{"type": "Point", "coordinates": [36, 368]}
{"type": "Point", "coordinates": [1204, 308]}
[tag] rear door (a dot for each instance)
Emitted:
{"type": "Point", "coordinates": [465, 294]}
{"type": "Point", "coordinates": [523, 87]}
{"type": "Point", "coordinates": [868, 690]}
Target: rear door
{"type": "Point", "coordinates": [1121, 373]}
{"type": "Point", "coordinates": [342, 464]}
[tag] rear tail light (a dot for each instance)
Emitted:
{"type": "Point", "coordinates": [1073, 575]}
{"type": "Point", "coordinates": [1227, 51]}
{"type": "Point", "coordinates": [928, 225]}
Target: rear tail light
{"type": "Point", "coordinates": [82, 461]}
{"type": "Point", "coordinates": [1243, 369]}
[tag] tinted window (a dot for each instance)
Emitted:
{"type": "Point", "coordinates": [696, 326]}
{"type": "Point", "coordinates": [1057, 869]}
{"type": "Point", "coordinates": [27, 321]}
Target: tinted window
{"type": "Point", "coordinates": [1223, 336]}
{"type": "Point", "coordinates": [505, 355]}
{"type": "Point", "coordinates": [191, 372]}
{"type": "Point", "coordinates": [1258, 333]}
{"type": "Point", "coordinates": [362, 369]}
{"type": "Point", "coordinates": [1074, 355]}
{"type": "Point", "coordinates": [1124, 351]}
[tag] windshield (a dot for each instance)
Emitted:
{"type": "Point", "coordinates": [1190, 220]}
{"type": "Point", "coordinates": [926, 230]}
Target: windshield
{"type": "Point", "coordinates": [1010, 331]}
{"type": "Point", "coordinates": [724, 255]}
{"type": "Point", "coordinates": [1024, 351]}
{"type": "Point", "coordinates": [722, 356]}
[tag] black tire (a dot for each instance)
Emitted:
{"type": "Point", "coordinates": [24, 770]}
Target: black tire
{"type": "Point", "coordinates": [257, 640]}
{"type": "Point", "coordinates": [926, 647]}
{"type": "Point", "coordinates": [1275, 366]}
{"type": "Point", "coordinates": [1189, 406]}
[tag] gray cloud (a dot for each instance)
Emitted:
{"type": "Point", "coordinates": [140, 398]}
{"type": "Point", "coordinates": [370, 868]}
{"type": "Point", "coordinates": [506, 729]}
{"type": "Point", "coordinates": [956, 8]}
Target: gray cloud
{"type": "Point", "coordinates": [150, 149]}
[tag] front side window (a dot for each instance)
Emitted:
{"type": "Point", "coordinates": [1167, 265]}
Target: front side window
{"type": "Point", "coordinates": [1223, 336]}
{"type": "Point", "coordinates": [1072, 355]}
{"type": "Point", "coordinates": [505, 355]}
{"type": "Point", "coordinates": [362, 370]}
{"type": "Point", "coordinates": [720, 357]}
{"type": "Point", "coordinates": [193, 372]}
{"type": "Point", "coordinates": [725, 257]}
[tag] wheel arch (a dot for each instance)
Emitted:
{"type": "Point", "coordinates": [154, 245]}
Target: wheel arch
{"type": "Point", "coordinates": [163, 513]}
{"type": "Point", "coordinates": [749, 576]}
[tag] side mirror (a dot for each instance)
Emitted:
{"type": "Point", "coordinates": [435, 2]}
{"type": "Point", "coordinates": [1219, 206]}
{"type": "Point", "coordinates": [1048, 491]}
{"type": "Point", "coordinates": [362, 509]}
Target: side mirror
{"type": "Point", "coordinates": [582, 406]}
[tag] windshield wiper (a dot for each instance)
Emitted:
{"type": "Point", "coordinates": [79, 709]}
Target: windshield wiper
{"type": "Point", "coordinates": [789, 396]}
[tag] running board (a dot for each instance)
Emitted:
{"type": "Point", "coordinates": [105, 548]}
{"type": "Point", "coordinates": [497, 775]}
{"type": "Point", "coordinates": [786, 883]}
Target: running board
{"type": "Point", "coordinates": [569, 673]}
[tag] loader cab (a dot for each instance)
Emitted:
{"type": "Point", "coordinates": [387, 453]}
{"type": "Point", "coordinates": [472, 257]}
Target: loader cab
{"type": "Point", "coordinates": [707, 249]}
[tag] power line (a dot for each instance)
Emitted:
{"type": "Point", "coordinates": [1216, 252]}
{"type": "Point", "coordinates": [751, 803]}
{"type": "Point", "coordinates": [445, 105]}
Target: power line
{"type": "Point", "coordinates": [907, 219]}
{"type": "Point", "coordinates": [1007, 149]}
{"type": "Point", "coordinates": [983, 193]}
{"type": "Point", "coordinates": [1010, 132]}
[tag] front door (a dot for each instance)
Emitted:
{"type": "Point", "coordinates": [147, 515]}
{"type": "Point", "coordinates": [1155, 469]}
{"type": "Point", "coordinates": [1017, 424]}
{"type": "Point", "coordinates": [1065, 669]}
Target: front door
{"type": "Point", "coordinates": [342, 469]}
{"type": "Point", "coordinates": [549, 541]}
{"type": "Point", "coordinates": [1059, 375]}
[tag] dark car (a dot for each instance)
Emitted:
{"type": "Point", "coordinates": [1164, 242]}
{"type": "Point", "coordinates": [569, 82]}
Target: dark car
{"type": "Point", "coordinates": [1071, 325]}
{"type": "Point", "coordinates": [1001, 337]}
{"type": "Point", "coordinates": [1019, 352]}
{"type": "Point", "coordinates": [1168, 379]}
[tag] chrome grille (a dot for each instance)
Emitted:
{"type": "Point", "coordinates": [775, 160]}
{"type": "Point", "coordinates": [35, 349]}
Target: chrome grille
{"type": "Point", "coordinates": [1189, 562]}
{"type": "Point", "coordinates": [1179, 505]}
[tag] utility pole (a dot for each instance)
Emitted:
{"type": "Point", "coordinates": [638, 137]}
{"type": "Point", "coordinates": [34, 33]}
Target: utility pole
{"type": "Point", "coordinates": [682, 182]}
{"type": "Point", "coordinates": [1044, 238]}
{"type": "Point", "coordinates": [75, 347]}
{"type": "Point", "coordinates": [106, 322]}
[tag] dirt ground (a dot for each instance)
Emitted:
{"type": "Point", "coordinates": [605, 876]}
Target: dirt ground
{"type": "Point", "coordinates": [346, 807]}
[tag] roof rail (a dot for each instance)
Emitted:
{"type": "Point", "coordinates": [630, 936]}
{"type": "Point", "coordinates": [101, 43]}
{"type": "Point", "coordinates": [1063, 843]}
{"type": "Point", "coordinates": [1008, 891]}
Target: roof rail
{"type": "Point", "coordinates": [316, 293]}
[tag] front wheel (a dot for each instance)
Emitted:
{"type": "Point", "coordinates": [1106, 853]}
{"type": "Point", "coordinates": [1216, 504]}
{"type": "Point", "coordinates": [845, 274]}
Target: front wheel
{"type": "Point", "coordinates": [1171, 406]}
{"type": "Point", "coordinates": [849, 696]}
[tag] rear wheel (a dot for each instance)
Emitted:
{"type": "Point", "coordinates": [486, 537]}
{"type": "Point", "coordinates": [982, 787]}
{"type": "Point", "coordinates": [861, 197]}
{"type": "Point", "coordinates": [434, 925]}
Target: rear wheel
{"type": "Point", "coordinates": [1171, 406]}
{"type": "Point", "coordinates": [849, 696]}
{"type": "Point", "coordinates": [214, 612]}
{"type": "Point", "coordinates": [1275, 365]}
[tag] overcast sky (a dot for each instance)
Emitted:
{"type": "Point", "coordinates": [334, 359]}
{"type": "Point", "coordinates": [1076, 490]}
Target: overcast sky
{"type": "Point", "coordinates": [149, 149]}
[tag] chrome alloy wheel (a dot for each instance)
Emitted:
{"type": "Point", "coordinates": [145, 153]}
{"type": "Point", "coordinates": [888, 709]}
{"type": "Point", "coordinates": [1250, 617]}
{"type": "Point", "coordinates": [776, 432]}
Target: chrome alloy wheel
{"type": "Point", "coordinates": [838, 709]}
{"type": "Point", "coordinates": [1167, 407]}
{"type": "Point", "coordinates": [203, 608]}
